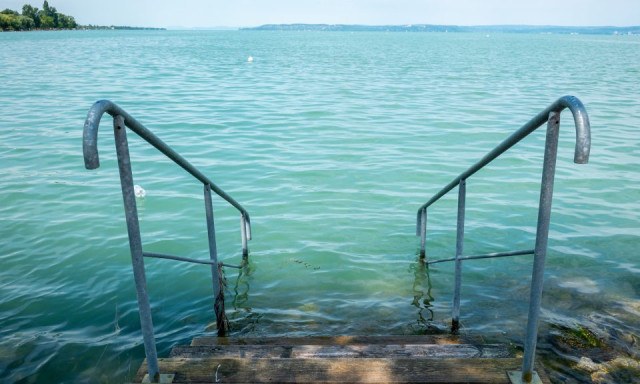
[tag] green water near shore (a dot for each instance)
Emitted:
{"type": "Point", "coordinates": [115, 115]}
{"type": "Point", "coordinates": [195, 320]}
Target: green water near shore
{"type": "Point", "coordinates": [331, 141]}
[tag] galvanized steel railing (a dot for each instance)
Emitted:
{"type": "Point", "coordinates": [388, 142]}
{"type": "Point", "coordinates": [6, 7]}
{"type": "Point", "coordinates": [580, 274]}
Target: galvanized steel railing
{"type": "Point", "coordinates": [551, 116]}
{"type": "Point", "coordinates": [122, 119]}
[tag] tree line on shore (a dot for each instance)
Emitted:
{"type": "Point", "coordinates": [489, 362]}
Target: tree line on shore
{"type": "Point", "coordinates": [33, 18]}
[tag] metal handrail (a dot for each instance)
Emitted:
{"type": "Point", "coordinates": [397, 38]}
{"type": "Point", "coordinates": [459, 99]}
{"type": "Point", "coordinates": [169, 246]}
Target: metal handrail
{"type": "Point", "coordinates": [551, 116]}
{"type": "Point", "coordinates": [121, 120]}
{"type": "Point", "coordinates": [92, 161]}
{"type": "Point", "coordinates": [581, 154]}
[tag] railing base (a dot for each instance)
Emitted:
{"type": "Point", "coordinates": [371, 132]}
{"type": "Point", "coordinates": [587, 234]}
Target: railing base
{"type": "Point", "coordinates": [165, 378]}
{"type": "Point", "coordinates": [455, 326]}
{"type": "Point", "coordinates": [516, 378]}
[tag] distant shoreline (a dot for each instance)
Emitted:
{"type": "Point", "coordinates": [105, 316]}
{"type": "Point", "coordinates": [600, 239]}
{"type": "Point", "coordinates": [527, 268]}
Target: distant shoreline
{"type": "Point", "coordinates": [122, 27]}
{"type": "Point", "coordinates": [420, 28]}
{"type": "Point", "coordinates": [89, 28]}
{"type": "Point", "coordinates": [603, 30]}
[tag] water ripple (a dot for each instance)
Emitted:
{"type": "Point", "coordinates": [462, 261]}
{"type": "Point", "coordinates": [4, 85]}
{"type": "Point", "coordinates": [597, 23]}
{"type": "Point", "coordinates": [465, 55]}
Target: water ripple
{"type": "Point", "coordinates": [332, 141]}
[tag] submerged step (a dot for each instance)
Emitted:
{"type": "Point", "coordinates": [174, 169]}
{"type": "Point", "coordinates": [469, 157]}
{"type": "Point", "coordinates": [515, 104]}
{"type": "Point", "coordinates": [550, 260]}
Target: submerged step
{"type": "Point", "coordinates": [415, 351]}
{"type": "Point", "coordinates": [339, 340]}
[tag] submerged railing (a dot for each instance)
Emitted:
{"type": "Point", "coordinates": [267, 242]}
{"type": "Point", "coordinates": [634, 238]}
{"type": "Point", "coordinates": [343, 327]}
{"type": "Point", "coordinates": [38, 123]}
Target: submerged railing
{"type": "Point", "coordinates": [122, 119]}
{"type": "Point", "coordinates": [551, 116]}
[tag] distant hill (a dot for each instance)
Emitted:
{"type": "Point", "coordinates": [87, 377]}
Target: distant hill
{"type": "Point", "coordinates": [635, 30]}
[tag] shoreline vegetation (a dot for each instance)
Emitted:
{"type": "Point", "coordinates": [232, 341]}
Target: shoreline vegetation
{"type": "Point", "coordinates": [545, 29]}
{"type": "Point", "coordinates": [47, 19]}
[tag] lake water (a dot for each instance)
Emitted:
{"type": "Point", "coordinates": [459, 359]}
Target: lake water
{"type": "Point", "coordinates": [331, 141]}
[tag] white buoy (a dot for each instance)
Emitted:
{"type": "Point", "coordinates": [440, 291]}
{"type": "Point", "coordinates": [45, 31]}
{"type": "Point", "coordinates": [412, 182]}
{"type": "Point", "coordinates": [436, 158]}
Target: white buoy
{"type": "Point", "coordinates": [250, 59]}
{"type": "Point", "coordinates": [139, 191]}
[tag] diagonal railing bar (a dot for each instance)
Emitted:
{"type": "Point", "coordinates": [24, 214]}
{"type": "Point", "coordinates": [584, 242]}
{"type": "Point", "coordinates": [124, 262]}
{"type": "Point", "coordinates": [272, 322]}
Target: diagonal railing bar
{"type": "Point", "coordinates": [485, 256]}
{"type": "Point", "coordinates": [157, 255]}
{"type": "Point", "coordinates": [550, 116]}
{"type": "Point", "coordinates": [581, 154]}
{"type": "Point", "coordinates": [122, 120]}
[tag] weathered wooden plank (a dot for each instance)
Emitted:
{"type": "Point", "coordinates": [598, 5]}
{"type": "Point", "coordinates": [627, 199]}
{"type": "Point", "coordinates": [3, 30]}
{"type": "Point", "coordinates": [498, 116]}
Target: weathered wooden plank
{"type": "Point", "coordinates": [416, 351]}
{"type": "Point", "coordinates": [423, 351]}
{"type": "Point", "coordinates": [211, 370]}
{"type": "Point", "coordinates": [233, 351]}
{"type": "Point", "coordinates": [338, 340]}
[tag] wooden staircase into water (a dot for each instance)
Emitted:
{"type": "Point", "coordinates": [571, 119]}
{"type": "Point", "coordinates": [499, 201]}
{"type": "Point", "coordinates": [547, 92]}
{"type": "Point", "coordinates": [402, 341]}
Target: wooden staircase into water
{"type": "Point", "coordinates": [339, 359]}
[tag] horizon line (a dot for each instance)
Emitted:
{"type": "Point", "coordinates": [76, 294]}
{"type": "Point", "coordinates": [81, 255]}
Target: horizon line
{"type": "Point", "coordinates": [230, 27]}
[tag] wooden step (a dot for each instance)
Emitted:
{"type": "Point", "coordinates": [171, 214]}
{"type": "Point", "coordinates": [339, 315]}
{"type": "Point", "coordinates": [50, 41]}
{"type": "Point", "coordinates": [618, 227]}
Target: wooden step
{"type": "Point", "coordinates": [323, 370]}
{"type": "Point", "coordinates": [416, 351]}
{"type": "Point", "coordinates": [339, 340]}
{"type": "Point", "coordinates": [340, 359]}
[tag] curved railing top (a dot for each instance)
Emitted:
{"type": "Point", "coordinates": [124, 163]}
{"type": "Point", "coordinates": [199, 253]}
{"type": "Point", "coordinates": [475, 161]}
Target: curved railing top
{"type": "Point", "coordinates": [90, 146]}
{"type": "Point", "coordinates": [581, 155]}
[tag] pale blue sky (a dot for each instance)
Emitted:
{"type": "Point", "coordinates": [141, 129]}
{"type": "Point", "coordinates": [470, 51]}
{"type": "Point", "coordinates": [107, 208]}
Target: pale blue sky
{"type": "Point", "coordinates": [209, 13]}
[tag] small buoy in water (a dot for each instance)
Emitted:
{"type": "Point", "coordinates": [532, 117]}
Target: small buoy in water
{"type": "Point", "coordinates": [139, 191]}
{"type": "Point", "coordinates": [250, 59]}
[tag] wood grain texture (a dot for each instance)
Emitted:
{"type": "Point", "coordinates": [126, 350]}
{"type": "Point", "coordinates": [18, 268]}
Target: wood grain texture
{"type": "Point", "coordinates": [212, 370]}
{"type": "Point", "coordinates": [338, 340]}
{"type": "Point", "coordinates": [341, 359]}
{"type": "Point", "coordinates": [416, 351]}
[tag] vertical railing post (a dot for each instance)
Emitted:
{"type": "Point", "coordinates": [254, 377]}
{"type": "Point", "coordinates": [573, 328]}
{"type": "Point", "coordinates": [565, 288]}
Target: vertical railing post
{"type": "Point", "coordinates": [462, 192]}
{"type": "Point", "coordinates": [243, 234]}
{"type": "Point", "coordinates": [135, 244]}
{"type": "Point", "coordinates": [542, 237]}
{"type": "Point", "coordinates": [218, 289]}
{"type": "Point", "coordinates": [423, 233]}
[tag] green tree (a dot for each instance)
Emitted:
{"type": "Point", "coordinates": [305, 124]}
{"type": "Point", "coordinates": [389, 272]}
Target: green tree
{"type": "Point", "coordinates": [46, 18]}
{"type": "Point", "coordinates": [26, 23]}
{"type": "Point", "coordinates": [65, 21]}
{"type": "Point", "coordinates": [46, 21]}
{"type": "Point", "coordinates": [62, 21]}
{"type": "Point", "coordinates": [32, 13]}
{"type": "Point", "coordinates": [50, 11]}
{"type": "Point", "coordinates": [33, 18]}
{"type": "Point", "coordinates": [4, 22]}
{"type": "Point", "coordinates": [29, 11]}
{"type": "Point", "coordinates": [9, 22]}
{"type": "Point", "coordinates": [10, 12]}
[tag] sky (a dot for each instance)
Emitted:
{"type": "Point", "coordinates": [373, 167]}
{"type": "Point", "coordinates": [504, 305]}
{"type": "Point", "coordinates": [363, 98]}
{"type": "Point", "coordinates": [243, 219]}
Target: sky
{"type": "Point", "coordinates": [247, 13]}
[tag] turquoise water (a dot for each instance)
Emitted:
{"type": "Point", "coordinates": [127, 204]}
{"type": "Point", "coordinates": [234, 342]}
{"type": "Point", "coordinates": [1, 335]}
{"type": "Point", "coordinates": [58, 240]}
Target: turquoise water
{"type": "Point", "coordinates": [331, 141]}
